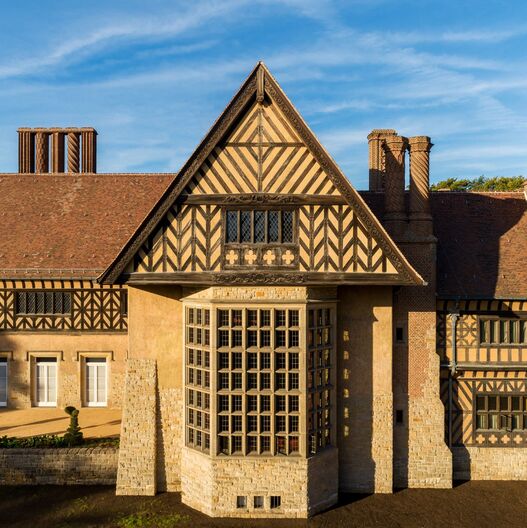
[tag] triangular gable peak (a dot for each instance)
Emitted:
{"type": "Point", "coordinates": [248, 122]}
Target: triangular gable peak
{"type": "Point", "coordinates": [260, 155]}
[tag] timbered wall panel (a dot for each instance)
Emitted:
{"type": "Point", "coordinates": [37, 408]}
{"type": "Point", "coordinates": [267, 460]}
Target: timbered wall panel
{"type": "Point", "coordinates": [331, 238]}
{"type": "Point", "coordinates": [481, 369]}
{"type": "Point", "coordinates": [263, 154]}
{"type": "Point", "coordinates": [469, 350]}
{"type": "Point", "coordinates": [94, 308]}
{"type": "Point", "coordinates": [464, 390]}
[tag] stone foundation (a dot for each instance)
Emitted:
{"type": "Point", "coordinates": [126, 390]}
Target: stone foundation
{"type": "Point", "coordinates": [59, 466]}
{"type": "Point", "coordinates": [488, 463]}
{"type": "Point", "coordinates": [305, 486]}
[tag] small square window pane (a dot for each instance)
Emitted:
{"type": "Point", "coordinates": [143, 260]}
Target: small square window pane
{"type": "Point", "coordinates": [232, 226]}
{"type": "Point", "coordinates": [259, 226]}
{"type": "Point", "coordinates": [245, 226]}
{"type": "Point", "coordinates": [287, 226]}
{"type": "Point", "coordinates": [272, 226]}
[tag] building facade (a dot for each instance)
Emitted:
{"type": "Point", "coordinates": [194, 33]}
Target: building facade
{"type": "Point", "coordinates": [272, 335]}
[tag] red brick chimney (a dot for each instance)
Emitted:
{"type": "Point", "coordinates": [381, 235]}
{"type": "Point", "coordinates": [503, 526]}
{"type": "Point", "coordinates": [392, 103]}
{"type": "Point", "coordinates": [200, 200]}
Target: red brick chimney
{"type": "Point", "coordinates": [376, 139]}
{"type": "Point", "coordinates": [34, 146]}
{"type": "Point", "coordinates": [395, 217]}
{"type": "Point", "coordinates": [420, 215]}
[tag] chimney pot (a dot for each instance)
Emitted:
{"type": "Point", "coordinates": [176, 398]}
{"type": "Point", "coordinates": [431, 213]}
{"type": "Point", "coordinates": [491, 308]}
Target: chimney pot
{"type": "Point", "coordinates": [34, 146]}
{"type": "Point", "coordinates": [376, 139]}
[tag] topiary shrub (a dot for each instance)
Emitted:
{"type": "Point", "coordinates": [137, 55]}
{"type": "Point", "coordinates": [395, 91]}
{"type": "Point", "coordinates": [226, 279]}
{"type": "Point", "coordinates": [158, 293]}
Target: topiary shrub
{"type": "Point", "coordinates": [73, 436]}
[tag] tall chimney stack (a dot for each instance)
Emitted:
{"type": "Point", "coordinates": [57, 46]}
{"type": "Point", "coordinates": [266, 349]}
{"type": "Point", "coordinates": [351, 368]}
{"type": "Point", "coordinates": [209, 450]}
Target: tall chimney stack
{"type": "Point", "coordinates": [34, 150]}
{"type": "Point", "coordinates": [26, 151]}
{"type": "Point", "coordinates": [394, 208]}
{"type": "Point", "coordinates": [420, 215]}
{"type": "Point", "coordinates": [42, 151]}
{"type": "Point", "coordinates": [376, 157]}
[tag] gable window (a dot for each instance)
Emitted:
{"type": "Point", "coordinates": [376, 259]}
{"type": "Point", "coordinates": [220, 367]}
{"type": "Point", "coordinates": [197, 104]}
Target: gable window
{"type": "Point", "coordinates": [45, 302]}
{"type": "Point", "coordinates": [259, 227]}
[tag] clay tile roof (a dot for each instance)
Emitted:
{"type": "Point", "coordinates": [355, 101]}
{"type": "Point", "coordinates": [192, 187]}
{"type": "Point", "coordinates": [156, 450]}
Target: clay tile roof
{"type": "Point", "coordinates": [482, 244]}
{"type": "Point", "coordinates": [57, 225]}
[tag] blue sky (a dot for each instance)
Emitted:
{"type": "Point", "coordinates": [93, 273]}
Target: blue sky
{"type": "Point", "coordinates": [153, 75]}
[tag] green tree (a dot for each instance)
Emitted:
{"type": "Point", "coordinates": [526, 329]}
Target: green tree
{"type": "Point", "coordinates": [497, 183]}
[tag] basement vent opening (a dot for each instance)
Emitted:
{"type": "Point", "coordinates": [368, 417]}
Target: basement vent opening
{"type": "Point", "coordinates": [276, 501]}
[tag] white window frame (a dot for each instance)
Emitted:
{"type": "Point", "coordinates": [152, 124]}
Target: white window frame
{"type": "Point", "coordinates": [101, 360]}
{"type": "Point", "coordinates": [44, 360]}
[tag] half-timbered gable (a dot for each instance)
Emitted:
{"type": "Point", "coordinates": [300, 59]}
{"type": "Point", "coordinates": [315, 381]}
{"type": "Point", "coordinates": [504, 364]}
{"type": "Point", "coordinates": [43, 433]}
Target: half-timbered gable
{"type": "Point", "coordinates": [261, 194]}
{"type": "Point", "coordinates": [254, 314]}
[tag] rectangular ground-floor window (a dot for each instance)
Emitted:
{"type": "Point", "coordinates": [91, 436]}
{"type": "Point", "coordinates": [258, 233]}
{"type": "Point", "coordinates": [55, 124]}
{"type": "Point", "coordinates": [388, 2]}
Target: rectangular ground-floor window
{"type": "Point", "coordinates": [46, 382]}
{"type": "Point", "coordinates": [95, 382]}
{"type": "Point", "coordinates": [3, 382]}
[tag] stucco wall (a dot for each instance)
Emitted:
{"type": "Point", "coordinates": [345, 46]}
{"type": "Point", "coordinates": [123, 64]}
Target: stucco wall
{"type": "Point", "coordinates": [156, 333]}
{"type": "Point", "coordinates": [365, 410]}
{"type": "Point", "coordinates": [21, 349]}
{"type": "Point", "coordinates": [60, 466]}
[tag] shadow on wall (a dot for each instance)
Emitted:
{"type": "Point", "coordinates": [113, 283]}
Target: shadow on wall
{"type": "Point", "coordinates": [18, 376]}
{"type": "Point", "coordinates": [355, 394]}
{"type": "Point", "coordinates": [477, 234]}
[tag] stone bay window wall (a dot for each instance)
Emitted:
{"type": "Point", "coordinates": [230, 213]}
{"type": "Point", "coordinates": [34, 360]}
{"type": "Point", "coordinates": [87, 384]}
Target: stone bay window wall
{"type": "Point", "coordinates": [259, 384]}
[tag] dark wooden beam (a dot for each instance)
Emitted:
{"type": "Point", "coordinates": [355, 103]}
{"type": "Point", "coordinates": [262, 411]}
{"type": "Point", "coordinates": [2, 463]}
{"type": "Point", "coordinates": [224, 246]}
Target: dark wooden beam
{"type": "Point", "coordinates": [289, 278]}
{"type": "Point", "coordinates": [266, 199]}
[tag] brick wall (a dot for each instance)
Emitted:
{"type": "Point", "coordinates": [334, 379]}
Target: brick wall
{"type": "Point", "coordinates": [421, 457]}
{"type": "Point", "coordinates": [59, 466]}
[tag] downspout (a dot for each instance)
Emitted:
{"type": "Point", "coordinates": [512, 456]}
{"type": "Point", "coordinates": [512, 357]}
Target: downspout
{"type": "Point", "coordinates": [454, 316]}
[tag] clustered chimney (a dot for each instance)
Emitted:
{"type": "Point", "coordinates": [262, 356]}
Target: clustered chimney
{"type": "Point", "coordinates": [76, 145]}
{"type": "Point", "coordinates": [387, 153]}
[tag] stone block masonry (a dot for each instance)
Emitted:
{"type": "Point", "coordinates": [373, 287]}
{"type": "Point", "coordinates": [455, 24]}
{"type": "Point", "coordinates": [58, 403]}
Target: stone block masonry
{"type": "Point", "coordinates": [58, 466]}
{"type": "Point", "coordinates": [490, 463]}
{"type": "Point", "coordinates": [305, 486]}
{"type": "Point", "coordinates": [137, 454]}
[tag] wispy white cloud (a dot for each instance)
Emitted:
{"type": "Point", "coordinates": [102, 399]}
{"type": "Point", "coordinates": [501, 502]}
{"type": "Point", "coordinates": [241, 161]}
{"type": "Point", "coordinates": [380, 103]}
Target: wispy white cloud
{"type": "Point", "coordinates": [150, 27]}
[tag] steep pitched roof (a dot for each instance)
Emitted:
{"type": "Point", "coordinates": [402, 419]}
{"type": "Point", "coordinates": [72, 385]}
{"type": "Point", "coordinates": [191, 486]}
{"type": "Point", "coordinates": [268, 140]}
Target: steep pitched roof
{"type": "Point", "coordinates": [260, 82]}
{"type": "Point", "coordinates": [64, 225]}
{"type": "Point", "coordinates": [482, 244]}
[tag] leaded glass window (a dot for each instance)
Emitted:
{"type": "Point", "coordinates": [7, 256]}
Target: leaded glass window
{"type": "Point", "coordinates": [260, 227]}
{"type": "Point", "coordinates": [43, 302]}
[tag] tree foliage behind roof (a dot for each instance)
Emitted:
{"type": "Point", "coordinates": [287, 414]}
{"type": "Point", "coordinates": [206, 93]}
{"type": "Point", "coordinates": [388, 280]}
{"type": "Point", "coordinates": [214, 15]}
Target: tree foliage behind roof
{"type": "Point", "coordinates": [498, 183]}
